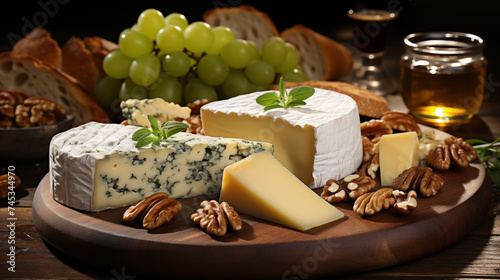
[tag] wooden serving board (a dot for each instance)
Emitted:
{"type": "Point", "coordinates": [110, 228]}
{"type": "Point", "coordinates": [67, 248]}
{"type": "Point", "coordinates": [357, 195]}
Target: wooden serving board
{"type": "Point", "coordinates": [262, 249]}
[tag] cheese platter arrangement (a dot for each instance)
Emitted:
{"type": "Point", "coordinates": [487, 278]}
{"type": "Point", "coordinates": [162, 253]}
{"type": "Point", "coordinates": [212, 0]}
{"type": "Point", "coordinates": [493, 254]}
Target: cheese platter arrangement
{"type": "Point", "coordinates": [235, 155]}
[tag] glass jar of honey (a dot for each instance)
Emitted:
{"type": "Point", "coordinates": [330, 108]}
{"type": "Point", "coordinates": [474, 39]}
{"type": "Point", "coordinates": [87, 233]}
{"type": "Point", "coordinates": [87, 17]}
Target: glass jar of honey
{"type": "Point", "coordinates": [442, 76]}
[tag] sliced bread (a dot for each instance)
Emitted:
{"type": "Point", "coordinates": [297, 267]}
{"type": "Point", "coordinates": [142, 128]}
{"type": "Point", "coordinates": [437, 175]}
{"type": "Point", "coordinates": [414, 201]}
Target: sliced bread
{"type": "Point", "coordinates": [36, 78]}
{"type": "Point", "coordinates": [39, 43]}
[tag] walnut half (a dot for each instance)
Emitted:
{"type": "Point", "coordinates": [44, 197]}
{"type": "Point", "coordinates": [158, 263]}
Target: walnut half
{"type": "Point", "coordinates": [373, 202]}
{"type": "Point", "coordinates": [454, 150]}
{"type": "Point", "coordinates": [154, 210]}
{"type": "Point", "coordinates": [351, 186]}
{"type": "Point", "coordinates": [214, 217]}
{"type": "Point", "coordinates": [405, 202]}
{"type": "Point", "coordinates": [423, 180]}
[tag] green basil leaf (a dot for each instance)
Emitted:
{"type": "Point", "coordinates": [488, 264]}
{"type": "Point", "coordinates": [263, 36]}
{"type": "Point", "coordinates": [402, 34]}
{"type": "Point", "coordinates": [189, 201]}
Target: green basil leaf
{"type": "Point", "coordinates": [154, 124]}
{"type": "Point", "coordinates": [301, 93]}
{"type": "Point", "coordinates": [270, 107]}
{"type": "Point", "coordinates": [295, 103]}
{"type": "Point", "coordinates": [146, 141]}
{"type": "Point", "coordinates": [141, 133]}
{"type": "Point", "coordinates": [267, 99]}
{"type": "Point", "coordinates": [173, 131]}
{"type": "Point", "coordinates": [173, 124]}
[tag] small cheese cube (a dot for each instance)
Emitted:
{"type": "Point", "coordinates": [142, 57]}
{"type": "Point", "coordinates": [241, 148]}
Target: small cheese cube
{"type": "Point", "coordinates": [262, 187]}
{"type": "Point", "coordinates": [398, 152]}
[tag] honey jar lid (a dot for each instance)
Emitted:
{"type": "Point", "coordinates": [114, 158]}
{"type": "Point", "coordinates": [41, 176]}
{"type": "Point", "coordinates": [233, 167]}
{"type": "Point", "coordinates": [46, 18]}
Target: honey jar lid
{"type": "Point", "coordinates": [444, 43]}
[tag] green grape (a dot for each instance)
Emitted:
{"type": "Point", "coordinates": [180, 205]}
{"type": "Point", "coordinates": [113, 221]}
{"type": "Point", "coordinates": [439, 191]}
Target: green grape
{"type": "Point", "coordinates": [150, 21]}
{"type": "Point", "coordinates": [292, 58]}
{"type": "Point", "coordinates": [294, 75]}
{"type": "Point", "coordinates": [212, 70]}
{"type": "Point", "coordinates": [170, 39]}
{"type": "Point", "coordinates": [198, 36]}
{"type": "Point", "coordinates": [130, 90]}
{"type": "Point", "coordinates": [176, 19]}
{"type": "Point", "coordinates": [222, 36]}
{"type": "Point", "coordinates": [116, 64]}
{"type": "Point", "coordinates": [168, 88]}
{"type": "Point", "coordinates": [254, 50]}
{"type": "Point", "coordinates": [106, 92]}
{"type": "Point", "coordinates": [236, 84]}
{"type": "Point", "coordinates": [145, 69]}
{"type": "Point", "coordinates": [197, 90]}
{"type": "Point", "coordinates": [274, 51]}
{"type": "Point", "coordinates": [176, 64]}
{"type": "Point", "coordinates": [260, 72]}
{"type": "Point", "coordinates": [237, 54]}
{"type": "Point", "coordinates": [134, 44]}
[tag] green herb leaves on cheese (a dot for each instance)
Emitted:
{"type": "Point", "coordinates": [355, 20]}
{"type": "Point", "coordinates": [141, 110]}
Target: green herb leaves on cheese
{"type": "Point", "coordinates": [155, 134]}
{"type": "Point", "coordinates": [296, 97]}
{"type": "Point", "coordinates": [490, 155]}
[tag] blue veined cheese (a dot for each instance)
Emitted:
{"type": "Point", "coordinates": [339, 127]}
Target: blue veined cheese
{"type": "Point", "coordinates": [96, 166]}
{"type": "Point", "coordinates": [136, 111]}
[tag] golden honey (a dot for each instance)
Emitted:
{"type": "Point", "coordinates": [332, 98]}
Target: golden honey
{"type": "Point", "coordinates": [442, 77]}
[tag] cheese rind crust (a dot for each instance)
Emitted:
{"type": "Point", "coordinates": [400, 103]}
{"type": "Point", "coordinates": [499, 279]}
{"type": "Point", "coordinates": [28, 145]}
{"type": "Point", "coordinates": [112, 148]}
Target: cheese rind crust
{"type": "Point", "coordinates": [316, 142]}
{"type": "Point", "coordinates": [96, 166]}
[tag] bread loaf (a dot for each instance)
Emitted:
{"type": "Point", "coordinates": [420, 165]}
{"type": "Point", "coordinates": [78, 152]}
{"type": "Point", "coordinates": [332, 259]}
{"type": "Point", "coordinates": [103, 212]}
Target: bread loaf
{"type": "Point", "coordinates": [321, 57]}
{"type": "Point", "coordinates": [36, 78]}
{"type": "Point", "coordinates": [245, 21]}
{"type": "Point", "coordinates": [78, 62]}
{"type": "Point", "coordinates": [39, 43]}
{"type": "Point", "coordinates": [369, 104]}
{"type": "Point", "coordinates": [99, 48]}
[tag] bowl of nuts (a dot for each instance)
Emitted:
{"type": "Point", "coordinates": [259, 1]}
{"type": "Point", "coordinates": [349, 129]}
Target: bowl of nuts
{"type": "Point", "coordinates": [27, 124]}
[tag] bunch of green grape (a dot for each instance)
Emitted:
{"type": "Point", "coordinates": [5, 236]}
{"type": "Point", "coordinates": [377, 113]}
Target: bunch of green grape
{"type": "Point", "coordinates": [182, 62]}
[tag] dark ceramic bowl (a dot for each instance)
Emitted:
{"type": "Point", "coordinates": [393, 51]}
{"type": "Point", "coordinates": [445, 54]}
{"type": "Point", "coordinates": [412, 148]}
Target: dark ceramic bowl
{"type": "Point", "coordinates": [31, 143]}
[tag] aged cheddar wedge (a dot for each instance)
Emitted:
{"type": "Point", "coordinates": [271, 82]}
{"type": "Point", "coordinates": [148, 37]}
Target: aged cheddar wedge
{"type": "Point", "coordinates": [262, 187]}
{"type": "Point", "coordinates": [96, 166]}
{"type": "Point", "coordinates": [316, 142]}
{"type": "Point", "coordinates": [398, 152]}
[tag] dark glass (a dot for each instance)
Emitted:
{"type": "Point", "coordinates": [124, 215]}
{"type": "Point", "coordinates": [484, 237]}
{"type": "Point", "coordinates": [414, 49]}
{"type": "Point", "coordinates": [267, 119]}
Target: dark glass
{"type": "Point", "coordinates": [371, 29]}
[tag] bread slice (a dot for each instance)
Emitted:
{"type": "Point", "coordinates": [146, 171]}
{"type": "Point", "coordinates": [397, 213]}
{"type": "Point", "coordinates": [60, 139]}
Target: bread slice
{"type": "Point", "coordinates": [321, 57]}
{"type": "Point", "coordinates": [78, 62]}
{"type": "Point", "coordinates": [369, 104]}
{"type": "Point", "coordinates": [36, 78]}
{"type": "Point", "coordinates": [39, 43]}
{"type": "Point", "coordinates": [245, 21]}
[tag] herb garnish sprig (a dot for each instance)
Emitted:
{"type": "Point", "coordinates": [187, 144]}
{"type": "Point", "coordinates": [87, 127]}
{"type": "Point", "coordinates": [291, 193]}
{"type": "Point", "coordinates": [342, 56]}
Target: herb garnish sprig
{"type": "Point", "coordinates": [155, 134]}
{"type": "Point", "coordinates": [296, 96]}
{"type": "Point", "coordinates": [490, 155]}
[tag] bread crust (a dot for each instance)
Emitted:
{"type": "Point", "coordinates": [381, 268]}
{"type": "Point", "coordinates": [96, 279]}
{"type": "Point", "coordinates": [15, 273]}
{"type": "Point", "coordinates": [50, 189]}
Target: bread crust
{"type": "Point", "coordinates": [338, 58]}
{"type": "Point", "coordinates": [39, 43]}
{"type": "Point", "coordinates": [369, 104]}
{"type": "Point", "coordinates": [78, 62]}
{"type": "Point", "coordinates": [70, 93]}
{"type": "Point", "coordinates": [257, 30]}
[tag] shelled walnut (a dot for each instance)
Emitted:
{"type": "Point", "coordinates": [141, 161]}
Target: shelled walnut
{"type": "Point", "coordinates": [406, 202]}
{"type": "Point", "coordinates": [454, 150]}
{"type": "Point", "coordinates": [423, 180]}
{"type": "Point", "coordinates": [214, 217]}
{"type": "Point", "coordinates": [351, 186]}
{"type": "Point", "coordinates": [154, 210]}
{"type": "Point", "coordinates": [7, 185]}
{"type": "Point", "coordinates": [374, 202]}
{"type": "Point", "coordinates": [401, 121]}
{"type": "Point", "coordinates": [19, 110]}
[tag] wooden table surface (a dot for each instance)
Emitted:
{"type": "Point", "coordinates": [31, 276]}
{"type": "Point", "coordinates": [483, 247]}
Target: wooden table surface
{"type": "Point", "coordinates": [475, 256]}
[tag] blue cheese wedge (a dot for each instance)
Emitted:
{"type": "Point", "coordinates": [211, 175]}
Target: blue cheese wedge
{"type": "Point", "coordinates": [96, 166]}
{"type": "Point", "coordinates": [136, 111]}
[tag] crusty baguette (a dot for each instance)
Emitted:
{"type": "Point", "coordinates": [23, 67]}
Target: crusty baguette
{"type": "Point", "coordinates": [39, 43]}
{"type": "Point", "coordinates": [245, 21]}
{"type": "Point", "coordinates": [36, 78]}
{"type": "Point", "coordinates": [78, 62]}
{"type": "Point", "coordinates": [369, 104]}
{"type": "Point", "coordinates": [99, 47]}
{"type": "Point", "coordinates": [321, 57]}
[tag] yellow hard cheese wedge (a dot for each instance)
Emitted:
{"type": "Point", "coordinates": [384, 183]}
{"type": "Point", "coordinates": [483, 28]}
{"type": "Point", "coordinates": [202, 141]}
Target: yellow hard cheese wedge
{"type": "Point", "coordinates": [398, 152]}
{"type": "Point", "coordinates": [262, 187]}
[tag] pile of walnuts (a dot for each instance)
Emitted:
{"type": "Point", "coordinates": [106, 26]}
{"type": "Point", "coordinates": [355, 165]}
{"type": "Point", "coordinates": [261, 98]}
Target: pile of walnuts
{"type": "Point", "coordinates": [19, 110]}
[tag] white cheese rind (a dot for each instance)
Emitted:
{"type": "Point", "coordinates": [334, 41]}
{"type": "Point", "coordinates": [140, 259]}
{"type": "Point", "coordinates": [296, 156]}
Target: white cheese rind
{"type": "Point", "coordinates": [333, 116]}
{"type": "Point", "coordinates": [96, 166]}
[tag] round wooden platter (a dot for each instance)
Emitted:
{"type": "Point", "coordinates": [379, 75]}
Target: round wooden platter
{"type": "Point", "coordinates": [262, 249]}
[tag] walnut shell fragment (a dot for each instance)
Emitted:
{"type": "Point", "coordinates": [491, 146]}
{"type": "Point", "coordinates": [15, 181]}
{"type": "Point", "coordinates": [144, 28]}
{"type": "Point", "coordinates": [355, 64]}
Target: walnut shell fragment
{"type": "Point", "coordinates": [214, 217]}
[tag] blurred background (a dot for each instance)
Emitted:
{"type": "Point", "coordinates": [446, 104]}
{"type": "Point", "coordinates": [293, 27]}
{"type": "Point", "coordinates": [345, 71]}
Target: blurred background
{"type": "Point", "coordinates": [65, 18]}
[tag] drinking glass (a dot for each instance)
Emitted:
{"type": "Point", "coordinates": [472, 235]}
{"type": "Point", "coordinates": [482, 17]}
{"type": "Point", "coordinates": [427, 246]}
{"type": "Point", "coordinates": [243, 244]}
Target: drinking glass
{"type": "Point", "coordinates": [371, 31]}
